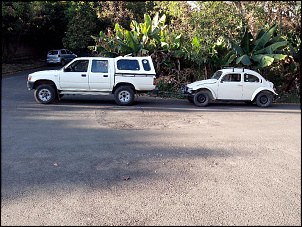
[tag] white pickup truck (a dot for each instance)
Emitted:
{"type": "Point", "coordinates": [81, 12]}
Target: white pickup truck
{"type": "Point", "coordinates": [121, 76]}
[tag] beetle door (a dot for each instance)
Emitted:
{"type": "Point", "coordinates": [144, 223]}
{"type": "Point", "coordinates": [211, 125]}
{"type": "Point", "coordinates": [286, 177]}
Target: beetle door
{"type": "Point", "coordinates": [230, 87]}
{"type": "Point", "coordinates": [250, 84]}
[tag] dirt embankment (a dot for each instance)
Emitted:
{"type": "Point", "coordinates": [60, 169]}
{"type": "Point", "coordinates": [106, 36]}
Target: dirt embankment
{"type": "Point", "coordinates": [22, 65]}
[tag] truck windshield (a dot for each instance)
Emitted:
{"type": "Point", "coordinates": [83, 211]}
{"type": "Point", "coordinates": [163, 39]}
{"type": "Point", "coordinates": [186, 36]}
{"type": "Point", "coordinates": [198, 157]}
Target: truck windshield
{"type": "Point", "coordinates": [216, 75]}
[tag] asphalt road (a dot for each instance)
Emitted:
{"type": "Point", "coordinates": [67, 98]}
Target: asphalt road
{"type": "Point", "coordinates": [86, 161]}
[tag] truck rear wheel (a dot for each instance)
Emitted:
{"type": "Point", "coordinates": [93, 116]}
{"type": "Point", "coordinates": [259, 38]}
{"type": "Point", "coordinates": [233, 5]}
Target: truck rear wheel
{"type": "Point", "coordinates": [124, 96]}
{"type": "Point", "coordinates": [45, 94]}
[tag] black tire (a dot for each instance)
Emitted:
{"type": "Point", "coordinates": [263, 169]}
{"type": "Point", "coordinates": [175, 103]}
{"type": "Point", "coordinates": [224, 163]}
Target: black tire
{"type": "Point", "coordinates": [45, 94]}
{"type": "Point", "coordinates": [124, 96]}
{"type": "Point", "coordinates": [63, 62]}
{"type": "Point", "coordinates": [264, 99]}
{"type": "Point", "coordinates": [191, 99]}
{"type": "Point", "coordinates": [201, 98]}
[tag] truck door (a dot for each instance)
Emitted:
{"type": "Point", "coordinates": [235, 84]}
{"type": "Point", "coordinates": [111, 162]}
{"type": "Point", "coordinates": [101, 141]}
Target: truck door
{"type": "Point", "coordinates": [75, 76]}
{"type": "Point", "coordinates": [230, 87]}
{"type": "Point", "coordinates": [99, 78]}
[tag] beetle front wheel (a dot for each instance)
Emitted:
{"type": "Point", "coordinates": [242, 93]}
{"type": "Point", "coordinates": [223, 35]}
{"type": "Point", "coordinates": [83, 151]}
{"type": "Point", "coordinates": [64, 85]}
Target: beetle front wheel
{"type": "Point", "coordinates": [201, 98]}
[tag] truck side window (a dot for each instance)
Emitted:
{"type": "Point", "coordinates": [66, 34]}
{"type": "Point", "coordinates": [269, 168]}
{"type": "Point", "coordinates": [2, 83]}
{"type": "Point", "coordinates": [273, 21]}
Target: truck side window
{"type": "Point", "coordinates": [146, 65]}
{"type": "Point", "coordinates": [99, 66]}
{"type": "Point", "coordinates": [125, 64]}
{"type": "Point", "coordinates": [250, 78]}
{"type": "Point", "coordinates": [78, 66]}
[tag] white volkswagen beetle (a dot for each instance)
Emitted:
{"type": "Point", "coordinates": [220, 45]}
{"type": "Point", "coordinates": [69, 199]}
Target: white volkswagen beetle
{"type": "Point", "coordinates": [232, 84]}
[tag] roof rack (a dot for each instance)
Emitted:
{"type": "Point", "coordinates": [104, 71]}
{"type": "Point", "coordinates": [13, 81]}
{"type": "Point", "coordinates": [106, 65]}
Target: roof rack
{"type": "Point", "coordinates": [233, 68]}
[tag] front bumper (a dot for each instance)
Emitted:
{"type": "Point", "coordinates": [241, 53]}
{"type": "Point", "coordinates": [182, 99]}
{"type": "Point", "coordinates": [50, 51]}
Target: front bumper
{"type": "Point", "coordinates": [30, 85]}
{"type": "Point", "coordinates": [186, 91]}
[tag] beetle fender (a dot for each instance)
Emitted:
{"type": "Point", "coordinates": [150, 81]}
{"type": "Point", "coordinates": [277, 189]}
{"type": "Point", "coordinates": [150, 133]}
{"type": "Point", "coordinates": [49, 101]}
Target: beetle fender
{"type": "Point", "coordinates": [258, 90]}
{"type": "Point", "coordinates": [207, 88]}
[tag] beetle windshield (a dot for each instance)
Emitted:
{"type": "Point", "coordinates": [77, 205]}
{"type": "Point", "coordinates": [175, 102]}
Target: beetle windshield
{"type": "Point", "coordinates": [216, 75]}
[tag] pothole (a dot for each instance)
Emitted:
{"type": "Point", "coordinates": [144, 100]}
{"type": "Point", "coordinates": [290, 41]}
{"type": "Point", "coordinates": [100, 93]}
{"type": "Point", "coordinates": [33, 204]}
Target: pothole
{"type": "Point", "coordinates": [138, 119]}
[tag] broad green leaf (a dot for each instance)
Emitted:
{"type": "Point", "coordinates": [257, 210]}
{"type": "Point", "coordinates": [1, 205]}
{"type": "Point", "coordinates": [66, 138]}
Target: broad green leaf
{"type": "Point", "coordinates": [195, 42]}
{"type": "Point", "coordinates": [102, 35]}
{"type": "Point", "coordinates": [117, 27]}
{"type": "Point", "coordinates": [148, 21]}
{"type": "Point", "coordinates": [244, 59]}
{"type": "Point", "coordinates": [162, 20]}
{"type": "Point", "coordinates": [260, 43]}
{"type": "Point", "coordinates": [231, 58]}
{"type": "Point", "coordinates": [95, 38]}
{"type": "Point", "coordinates": [260, 34]}
{"type": "Point", "coordinates": [245, 42]}
{"type": "Point", "coordinates": [228, 58]}
{"type": "Point", "coordinates": [124, 46]}
{"type": "Point", "coordinates": [155, 21]}
{"type": "Point", "coordinates": [271, 48]}
{"type": "Point", "coordinates": [264, 60]}
{"type": "Point", "coordinates": [278, 57]}
{"type": "Point", "coordinates": [274, 40]}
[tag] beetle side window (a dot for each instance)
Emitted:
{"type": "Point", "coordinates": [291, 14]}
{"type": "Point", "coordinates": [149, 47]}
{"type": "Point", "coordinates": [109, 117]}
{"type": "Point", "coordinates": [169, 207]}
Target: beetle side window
{"type": "Point", "coordinates": [251, 78]}
{"type": "Point", "coordinates": [146, 65]}
{"type": "Point", "coordinates": [78, 66]}
{"type": "Point", "coordinates": [125, 64]}
{"type": "Point", "coordinates": [99, 66]}
{"type": "Point", "coordinates": [217, 75]}
{"type": "Point", "coordinates": [234, 77]}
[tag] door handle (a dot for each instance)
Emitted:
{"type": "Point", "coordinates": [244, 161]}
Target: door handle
{"type": "Point", "coordinates": [83, 75]}
{"type": "Point", "coordinates": [105, 75]}
{"type": "Point", "coordinates": [239, 85]}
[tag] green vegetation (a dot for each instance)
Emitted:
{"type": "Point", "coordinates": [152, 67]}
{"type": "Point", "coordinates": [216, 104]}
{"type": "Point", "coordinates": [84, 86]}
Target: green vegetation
{"type": "Point", "coordinates": [188, 41]}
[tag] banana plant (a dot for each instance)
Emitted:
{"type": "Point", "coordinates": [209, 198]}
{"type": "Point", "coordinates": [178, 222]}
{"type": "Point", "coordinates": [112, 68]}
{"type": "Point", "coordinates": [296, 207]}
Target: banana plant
{"type": "Point", "coordinates": [142, 38]}
{"type": "Point", "coordinates": [261, 51]}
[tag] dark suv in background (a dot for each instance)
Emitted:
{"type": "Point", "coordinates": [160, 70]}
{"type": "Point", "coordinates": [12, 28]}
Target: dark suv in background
{"type": "Point", "coordinates": [60, 56]}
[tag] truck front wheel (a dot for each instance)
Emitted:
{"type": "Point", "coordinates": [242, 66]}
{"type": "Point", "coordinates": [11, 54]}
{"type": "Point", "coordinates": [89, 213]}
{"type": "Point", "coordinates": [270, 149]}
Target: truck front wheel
{"type": "Point", "coordinates": [45, 94]}
{"type": "Point", "coordinates": [124, 96]}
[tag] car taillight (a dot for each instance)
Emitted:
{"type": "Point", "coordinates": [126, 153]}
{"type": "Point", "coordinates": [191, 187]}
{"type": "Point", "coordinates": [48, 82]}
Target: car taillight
{"type": "Point", "coordinates": [154, 81]}
{"type": "Point", "coordinates": [59, 56]}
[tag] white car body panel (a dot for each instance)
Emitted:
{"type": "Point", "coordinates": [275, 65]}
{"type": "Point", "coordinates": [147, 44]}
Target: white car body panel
{"type": "Point", "coordinates": [88, 81]}
{"type": "Point", "coordinates": [242, 89]}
